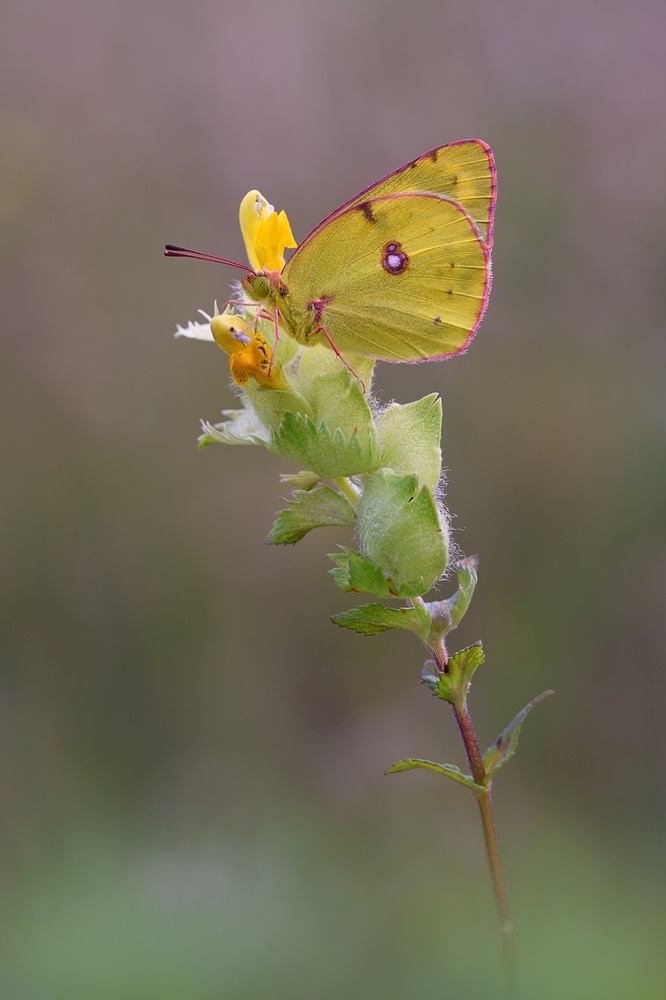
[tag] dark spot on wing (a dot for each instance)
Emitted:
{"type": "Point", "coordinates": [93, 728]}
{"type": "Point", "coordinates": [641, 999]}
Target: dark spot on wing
{"type": "Point", "coordinates": [437, 320]}
{"type": "Point", "coordinates": [366, 208]}
{"type": "Point", "coordinates": [449, 291]}
{"type": "Point", "coordinates": [453, 263]}
{"type": "Point", "coordinates": [433, 154]}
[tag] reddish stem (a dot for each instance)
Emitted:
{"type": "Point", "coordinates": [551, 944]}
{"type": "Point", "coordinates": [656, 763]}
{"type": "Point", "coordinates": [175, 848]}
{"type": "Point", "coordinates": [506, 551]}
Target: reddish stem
{"type": "Point", "coordinates": [485, 804]}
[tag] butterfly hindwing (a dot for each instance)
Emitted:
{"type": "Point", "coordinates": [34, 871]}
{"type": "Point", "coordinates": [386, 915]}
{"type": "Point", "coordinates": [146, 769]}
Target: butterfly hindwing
{"type": "Point", "coordinates": [401, 277]}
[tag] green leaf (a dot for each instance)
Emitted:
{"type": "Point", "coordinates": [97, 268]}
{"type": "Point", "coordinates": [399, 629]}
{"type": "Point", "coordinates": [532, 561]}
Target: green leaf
{"type": "Point", "coordinates": [211, 435]}
{"type": "Point", "coordinates": [450, 770]}
{"type": "Point", "coordinates": [353, 572]}
{"type": "Point", "coordinates": [337, 436]}
{"type": "Point", "coordinates": [329, 454]}
{"type": "Point", "coordinates": [241, 427]}
{"type": "Point", "coordinates": [466, 570]}
{"type": "Point", "coordinates": [430, 675]}
{"type": "Point", "coordinates": [271, 405]}
{"type": "Point", "coordinates": [505, 745]}
{"type": "Point", "coordinates": [446, 614]}
{"type": "Point", "coordinates": [319, 360]}
{"type": "Point", "coordinates": [409, 439]}
{"type": "Point", "coordinates": [302, 480]}
{"type": "Point", "coordinates": [402, 531]}
{"type": "Point", "coordinates": [370, 619]}
{"type": "Point", "coordinates": [337, 400]}
{"type": "Point", "coordinates": [307, 510]}
{"type": "Point", "coordinates": [452, 686]}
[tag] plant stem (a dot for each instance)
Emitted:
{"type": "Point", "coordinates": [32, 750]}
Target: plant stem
{"type": "Point", "coordinates": [484, 801]}
{"type": "Point", "coordinates": [348, 489]}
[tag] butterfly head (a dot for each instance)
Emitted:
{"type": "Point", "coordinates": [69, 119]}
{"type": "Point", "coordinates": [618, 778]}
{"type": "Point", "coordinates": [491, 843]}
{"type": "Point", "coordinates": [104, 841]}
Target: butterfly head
{"type": "Point", "coordinates": [264, 286]}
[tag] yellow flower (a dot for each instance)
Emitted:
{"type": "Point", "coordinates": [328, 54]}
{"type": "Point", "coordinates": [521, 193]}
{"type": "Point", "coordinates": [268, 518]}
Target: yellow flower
{"type": "Point", "coordinates": [267, 233]}
{"type": "Point", "coordinates": [254, 360]}
{"type": "Point", "coordinates": [229, 332]}
{"type": "Point", "coordinates": [250, 356]}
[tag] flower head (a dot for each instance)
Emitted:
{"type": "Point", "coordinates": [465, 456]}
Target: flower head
{"type": "Point", "coordinates": [267, 233]}
{"type": "Point", "coordinates": [250, 353]}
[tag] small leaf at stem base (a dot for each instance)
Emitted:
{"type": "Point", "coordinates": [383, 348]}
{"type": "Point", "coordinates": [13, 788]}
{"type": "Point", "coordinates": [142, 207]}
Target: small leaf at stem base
{"type": "Point", "coordinates": [505, 745]}
{"type": "Point", "coordinates": [450, 770]}
{"type": "Point", "coordinates": [452, 686]}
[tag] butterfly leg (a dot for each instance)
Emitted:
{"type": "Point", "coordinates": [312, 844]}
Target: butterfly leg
{"type": "Point", "coordinates": [276, 326]}
{"type": "Point", "coordinates": [322, 329]}
{"type": "Point", "coordinates": [274, 317]}
{"type": "Point", "coordinates": [236, 302]}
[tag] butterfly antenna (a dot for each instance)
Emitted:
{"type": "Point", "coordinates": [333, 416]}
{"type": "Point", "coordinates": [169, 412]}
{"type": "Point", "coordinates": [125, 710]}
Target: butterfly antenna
{"type": "Point", "coordinates": [171, 250]}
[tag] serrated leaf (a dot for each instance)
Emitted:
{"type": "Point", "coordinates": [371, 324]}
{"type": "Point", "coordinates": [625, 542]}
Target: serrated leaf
{"type": "Point", "coordinates": [409, 439]}
{"type": "Point", "coordinates": [452, 686]}
{"type": "Point", "coordinates": [329, 454]}
{"type": "Point", "coordinates": [506, 743]}
{"type": "Point", "coordinates": [353, 572]}
{"type": "Point", "coordinates": [449, 770]}
{"type": "Point", "coordinates": [467, 660]}
{"type": "Point", "coordinates": [370, 619]}
{"type": "Point", "coordinates": [402, 531]}
{"type": "Point", "coordinates": [241, 427]}
{"type": "Point", "coordinates": [271, 405]}
{"type": "Point", "coordinates": [310, 509]}
{"type": "Point", "coordinates": [337, 400]}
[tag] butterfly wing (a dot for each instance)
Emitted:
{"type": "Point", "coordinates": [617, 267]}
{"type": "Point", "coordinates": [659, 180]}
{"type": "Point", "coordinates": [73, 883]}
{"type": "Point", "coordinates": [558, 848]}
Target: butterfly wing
{"type": "Point", "coordinates": [463, 171]}
{"type": "Point", "coordinates": [403, 277]}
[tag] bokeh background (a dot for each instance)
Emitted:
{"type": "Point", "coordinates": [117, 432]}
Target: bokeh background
{"type": "Point", "coordinates": [192, 796]}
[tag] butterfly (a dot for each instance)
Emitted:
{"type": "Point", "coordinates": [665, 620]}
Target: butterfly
{"type": "Point", "coordinates": [399, 273]}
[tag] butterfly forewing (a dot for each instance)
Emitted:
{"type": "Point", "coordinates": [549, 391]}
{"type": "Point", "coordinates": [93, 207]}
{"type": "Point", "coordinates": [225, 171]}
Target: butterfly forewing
{"type": "Point", "coordinates": [403, 277]}
{"type": "Point", "coordinates": [463, 171]}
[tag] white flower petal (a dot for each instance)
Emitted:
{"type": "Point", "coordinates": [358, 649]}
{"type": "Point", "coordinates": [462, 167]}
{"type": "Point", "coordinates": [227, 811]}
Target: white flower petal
{"type": "Point", "coordinates": [195, 331]}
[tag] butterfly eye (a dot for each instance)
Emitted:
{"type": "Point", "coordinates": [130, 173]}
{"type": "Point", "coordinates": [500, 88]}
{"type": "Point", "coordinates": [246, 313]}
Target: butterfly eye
{"type": "Point", "coordinates": [260, 286]}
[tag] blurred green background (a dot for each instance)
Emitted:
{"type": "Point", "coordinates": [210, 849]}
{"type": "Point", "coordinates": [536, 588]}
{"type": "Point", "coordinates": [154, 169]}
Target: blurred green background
{"type": "Point", "coordinates": [191, 755]}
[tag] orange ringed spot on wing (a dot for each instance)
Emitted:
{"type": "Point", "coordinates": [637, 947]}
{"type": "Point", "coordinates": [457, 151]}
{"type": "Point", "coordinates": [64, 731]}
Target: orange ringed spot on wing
{"type": "Point", "coordinates": [394, 258]}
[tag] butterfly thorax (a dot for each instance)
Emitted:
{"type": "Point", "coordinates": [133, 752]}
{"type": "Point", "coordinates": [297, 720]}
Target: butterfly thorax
{"type": "Point", "coordinates": [269, 290]}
